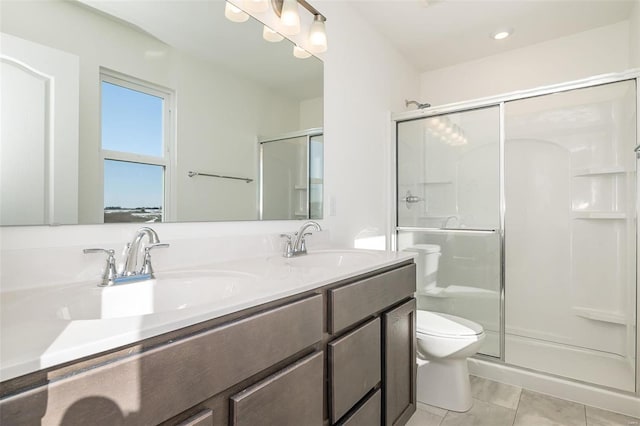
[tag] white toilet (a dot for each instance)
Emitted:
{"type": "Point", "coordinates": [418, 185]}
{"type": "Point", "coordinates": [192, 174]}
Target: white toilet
{"type": "Point", "coordinates": [426, 265]}
{"type": "Point", "coordinates": [444, 343]}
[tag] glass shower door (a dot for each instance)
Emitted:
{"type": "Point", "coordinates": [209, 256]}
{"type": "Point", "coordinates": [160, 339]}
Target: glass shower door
{"type": "Point", "coordinates": [570, 190]}
{"type": "Point", "coordinates": [448, 212]}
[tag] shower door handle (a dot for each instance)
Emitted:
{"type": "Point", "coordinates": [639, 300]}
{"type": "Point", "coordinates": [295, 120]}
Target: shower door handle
{"type": "Point", "coordinates": [637, 151]}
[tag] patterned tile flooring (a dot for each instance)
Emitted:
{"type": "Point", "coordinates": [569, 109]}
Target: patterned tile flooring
{"type": "Point", "coordinates": [497, 404]}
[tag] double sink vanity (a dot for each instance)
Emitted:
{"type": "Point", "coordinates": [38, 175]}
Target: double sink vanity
{"type": "Point", "coordinates": [324, 338]}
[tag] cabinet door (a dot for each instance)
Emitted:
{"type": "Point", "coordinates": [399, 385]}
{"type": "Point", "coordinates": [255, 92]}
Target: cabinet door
{"type": "Point", "coordinates": [293, 396]}
{"type": "Point", "coordinates": [399, 363]}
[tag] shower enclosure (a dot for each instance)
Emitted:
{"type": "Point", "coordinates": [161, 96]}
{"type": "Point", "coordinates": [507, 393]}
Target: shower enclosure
{"type": "Point", "coordinates": [522, 212]}
{"type": "Point", "coordinates": [291, 175]}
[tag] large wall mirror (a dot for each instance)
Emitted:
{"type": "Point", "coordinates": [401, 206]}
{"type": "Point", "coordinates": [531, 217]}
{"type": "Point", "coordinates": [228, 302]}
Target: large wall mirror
{"type": "Point", "coordinates": [139, 111]}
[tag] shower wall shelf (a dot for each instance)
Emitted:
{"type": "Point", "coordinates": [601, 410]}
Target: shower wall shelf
{"type": "Point", "coordinates": [599, 315]}
{"type": "Point", "coordinates": [436, 182]}
{"type": "Point", "coordinates": [596, 171]}
{"type": "Point", "coordinates": [598, 215]}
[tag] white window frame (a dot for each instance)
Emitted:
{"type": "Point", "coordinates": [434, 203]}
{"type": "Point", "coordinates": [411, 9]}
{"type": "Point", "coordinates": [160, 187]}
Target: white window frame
{"type": "Point", "coordinates": [167, 161]}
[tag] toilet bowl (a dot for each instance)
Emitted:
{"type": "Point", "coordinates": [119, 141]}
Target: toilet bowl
{"type": "Point", "coordinates": [444, 343]}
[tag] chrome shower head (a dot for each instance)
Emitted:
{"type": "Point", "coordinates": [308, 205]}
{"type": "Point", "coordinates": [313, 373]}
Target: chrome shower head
{"type": "Point", "coordinates": [417, 104]}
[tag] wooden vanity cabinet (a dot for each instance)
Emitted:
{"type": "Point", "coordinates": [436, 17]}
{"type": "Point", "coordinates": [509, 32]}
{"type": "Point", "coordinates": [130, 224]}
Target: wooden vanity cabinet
{"type": "Point", "coordinates": [341, 354]}
{"type": "Point", "coordinates": [362, 360]}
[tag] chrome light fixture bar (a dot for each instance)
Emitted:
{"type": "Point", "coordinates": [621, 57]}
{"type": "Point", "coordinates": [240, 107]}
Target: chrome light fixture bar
{"type": "Point", "coordinates": [287, 10]}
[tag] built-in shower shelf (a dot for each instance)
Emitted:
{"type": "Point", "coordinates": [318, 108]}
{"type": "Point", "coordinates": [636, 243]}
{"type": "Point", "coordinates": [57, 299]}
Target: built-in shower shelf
{"type": "Point", "coordinates": [436, 182]}
{"type": "Point", "coordinates": [599, 315]}
{"type": "Point", "coordinates": [601, 215]}
{"type": "Point", "coordinates": [596, 171]}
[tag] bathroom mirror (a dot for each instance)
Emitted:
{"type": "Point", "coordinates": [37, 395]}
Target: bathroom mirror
{"type": "Point", "coordinates": [134, 111]}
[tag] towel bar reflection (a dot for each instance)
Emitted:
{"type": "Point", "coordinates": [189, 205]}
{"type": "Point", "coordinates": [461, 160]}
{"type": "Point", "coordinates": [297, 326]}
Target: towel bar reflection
{"type": "Point", "coordinates": [193, 174]}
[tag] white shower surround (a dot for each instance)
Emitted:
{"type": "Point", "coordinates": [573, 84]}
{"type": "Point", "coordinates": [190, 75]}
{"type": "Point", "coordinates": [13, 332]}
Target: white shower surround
{"type": "Point", "coordinates": [587, 393]}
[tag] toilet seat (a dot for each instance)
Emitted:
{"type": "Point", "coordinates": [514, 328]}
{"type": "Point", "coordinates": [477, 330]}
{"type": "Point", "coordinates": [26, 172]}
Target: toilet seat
{"type": "Point", "coordinates": [444, 325]}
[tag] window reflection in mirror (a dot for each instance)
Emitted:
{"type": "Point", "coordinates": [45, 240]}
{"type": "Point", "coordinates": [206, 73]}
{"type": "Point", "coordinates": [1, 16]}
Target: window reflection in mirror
{"type": "Point", "coordinates": [227, 87]}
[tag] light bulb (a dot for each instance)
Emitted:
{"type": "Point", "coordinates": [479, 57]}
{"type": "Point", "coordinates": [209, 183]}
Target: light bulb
{"type": "Point", "coordinates": [234, 14]}
{"type": "Point", "coordinates": [289, 17]}
{"type": "Point", "coordinates": [270, 35]}
{"type": "Point", "coordinates": [258, 6]}
{"type": "Point", "coordinates": [318, 35]}
{"type": "Point", "coordinates": [300, 53]}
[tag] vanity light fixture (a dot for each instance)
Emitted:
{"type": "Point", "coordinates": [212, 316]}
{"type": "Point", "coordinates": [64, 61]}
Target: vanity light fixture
{"type": "Point", "coordinates": [257, 6]}
{"type": "Point", "coordinates": [272, 36]}
{"type": "Point", "coordinates": [300, 53]}
{"type": "Point", "coordinates": [318, 35]}
{"type": "Point", "coordinates": [287, 10]}
{"type": "Point", "coordinates": [234, 13]}
{"type": "Point", "coordinates": [289, 17]}
{"type": "Point", "coordinates": [501, 34]}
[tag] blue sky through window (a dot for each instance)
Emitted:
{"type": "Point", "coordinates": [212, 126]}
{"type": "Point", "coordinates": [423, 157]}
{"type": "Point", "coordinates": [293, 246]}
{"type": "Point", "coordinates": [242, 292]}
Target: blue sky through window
{"type": "Point", "coordinates": [132, 185]}
{"type": "Point", "coordinates": [132, 122]}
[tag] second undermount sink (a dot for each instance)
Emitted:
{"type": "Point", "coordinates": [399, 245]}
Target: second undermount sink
{"type": "Point", "coordinates": [167, 292]}
{"type": "Point", "coordinates": [330, 259]}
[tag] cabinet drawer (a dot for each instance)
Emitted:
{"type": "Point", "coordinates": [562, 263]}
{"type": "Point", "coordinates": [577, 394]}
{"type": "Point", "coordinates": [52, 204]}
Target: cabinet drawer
{"type": "Point", "coordinates": [155, 385]}
{"type": "Point", "coordinates": [293, 396]}
{"type": "Point", "coordinates": [353, 302]}
{"type": "Point", "coordinates": [203, 418]}
{"type": "Point", "coordinates": [367, 414]}
{"type": "Point", "coordinates": [354, 367]}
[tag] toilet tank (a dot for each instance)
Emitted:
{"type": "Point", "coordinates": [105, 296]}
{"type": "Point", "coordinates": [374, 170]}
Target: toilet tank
{"type": "Point", "coordinates": [426, 265]}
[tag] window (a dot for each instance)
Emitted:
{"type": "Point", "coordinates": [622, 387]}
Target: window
{"type": "Point", "coordinates": [136, 149]}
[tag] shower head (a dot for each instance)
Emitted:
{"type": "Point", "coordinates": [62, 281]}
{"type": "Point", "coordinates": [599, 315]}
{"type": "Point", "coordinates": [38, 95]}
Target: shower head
{"type": "Point", "coordinates": [417, 104]}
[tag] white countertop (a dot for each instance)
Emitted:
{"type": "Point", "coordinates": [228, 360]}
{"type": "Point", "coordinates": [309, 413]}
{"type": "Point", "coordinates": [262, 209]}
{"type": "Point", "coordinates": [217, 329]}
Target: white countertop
{"type": "Point", "coordinates": [34, 334]}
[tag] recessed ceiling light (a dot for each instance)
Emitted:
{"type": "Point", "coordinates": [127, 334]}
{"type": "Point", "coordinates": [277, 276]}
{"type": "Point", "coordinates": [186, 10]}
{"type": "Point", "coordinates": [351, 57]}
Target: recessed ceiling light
{"type": "Point", "coordinates": [501, 34]}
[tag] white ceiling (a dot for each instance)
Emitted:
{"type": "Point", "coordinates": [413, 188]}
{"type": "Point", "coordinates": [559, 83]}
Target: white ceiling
{"type": "Point", "coordinates": [200, 29]}
{"type": "Point", "coordinates": [437, 33]}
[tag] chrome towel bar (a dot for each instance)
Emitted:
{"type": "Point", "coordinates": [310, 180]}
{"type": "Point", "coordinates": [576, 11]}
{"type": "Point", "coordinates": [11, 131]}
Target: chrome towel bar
{"type": "Point", "coordinates": [193, 174]}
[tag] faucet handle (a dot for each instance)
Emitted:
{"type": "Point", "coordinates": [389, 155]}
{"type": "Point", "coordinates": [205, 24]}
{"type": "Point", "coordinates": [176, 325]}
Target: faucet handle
{"type": "Point", "coordinates": [303, 243]}
{"type": "Point", "coordinates": [147, 269]}
{"type": "Point", "coordinates": [110, 272]}
{"type": "Point", "coordinates": [288, 248]}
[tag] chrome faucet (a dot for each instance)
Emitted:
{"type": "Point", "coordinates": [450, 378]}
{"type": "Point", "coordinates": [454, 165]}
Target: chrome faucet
{"type": "Point", "coordinates": [295, 244]}
{"type": "Point", "coordinates": [132, 250]}
{"type": "Point", "coordinates": [129, 271]}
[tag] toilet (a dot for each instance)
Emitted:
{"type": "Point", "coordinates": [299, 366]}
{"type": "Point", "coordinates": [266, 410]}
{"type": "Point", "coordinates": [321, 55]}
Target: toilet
{"type": "Point", "coordinates": [426, 265]}
{"type": "Point", "coordinates": [444, 343]}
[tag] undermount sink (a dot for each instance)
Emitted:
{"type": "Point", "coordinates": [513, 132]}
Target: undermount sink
{"type": "Point", "coordinates": [169, 291]}
{"type": "Point", "coordinates": [330, 259]}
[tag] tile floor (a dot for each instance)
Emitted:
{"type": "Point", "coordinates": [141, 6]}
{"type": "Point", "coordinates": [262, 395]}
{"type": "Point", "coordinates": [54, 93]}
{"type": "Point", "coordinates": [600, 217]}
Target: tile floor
{"type": "Point", "coordinates": [497, 404]}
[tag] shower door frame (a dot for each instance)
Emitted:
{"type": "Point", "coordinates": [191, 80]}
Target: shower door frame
{"type": "Point", "coordinates": [307, 134]}
{"type": "Point", "coordinates": [500, 101]}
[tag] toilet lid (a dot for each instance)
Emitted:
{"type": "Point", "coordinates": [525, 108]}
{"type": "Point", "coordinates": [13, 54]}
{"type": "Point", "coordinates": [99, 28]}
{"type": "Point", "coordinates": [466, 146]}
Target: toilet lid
{"type": "Point", "coordinates": [438, 324]}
